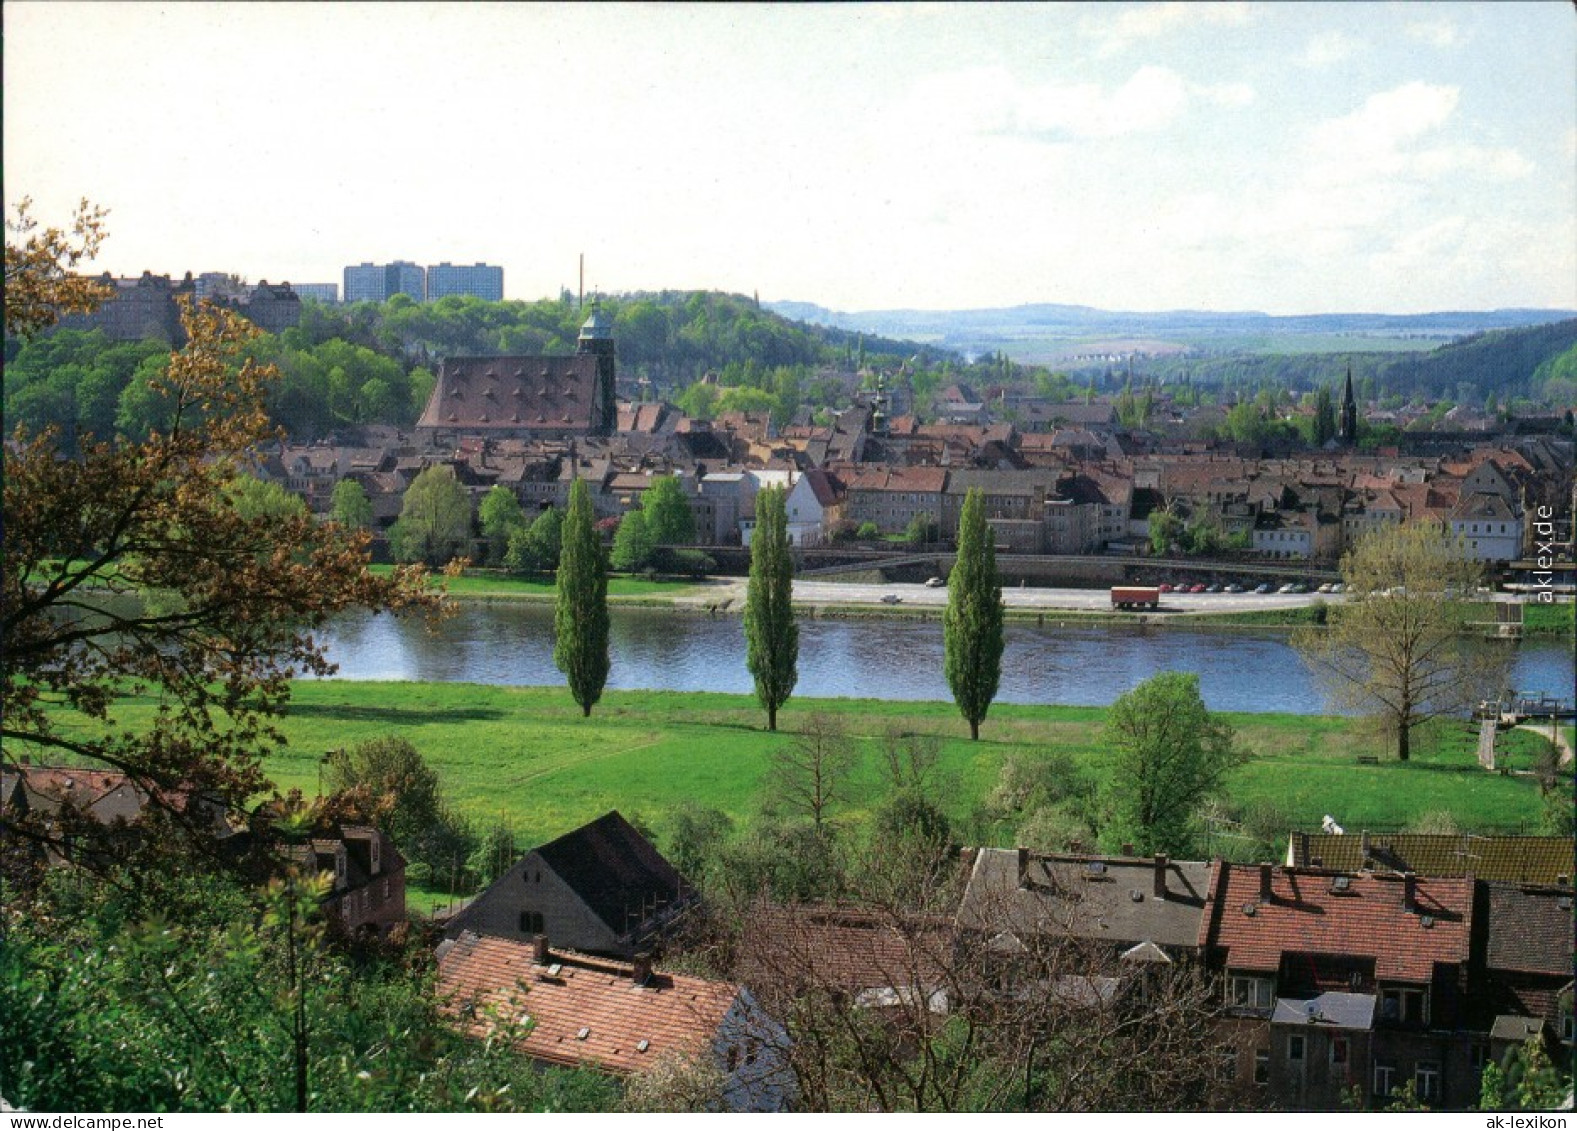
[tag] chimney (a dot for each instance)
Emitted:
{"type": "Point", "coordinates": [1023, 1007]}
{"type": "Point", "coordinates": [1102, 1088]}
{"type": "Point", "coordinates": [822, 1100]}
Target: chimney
{"type": "Point", "coordinates": [1160, 875]}
{"type": "Point", "coordinates": [641, 971]}
{"type": "Point", "coordinates": [1127, 848]}
{"type": "Point", "coordinates": [539, 949]}
{"type": "Point", "coordinates": [1409, 895]}
{"type": "Point", "coordinates": [1023, 865]}
{"type": "Point", "coordinates": [1265, 893]}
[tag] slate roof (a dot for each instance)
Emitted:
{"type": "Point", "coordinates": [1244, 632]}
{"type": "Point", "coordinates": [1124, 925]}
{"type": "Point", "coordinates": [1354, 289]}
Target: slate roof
{"type": "Point", "coordinates": [1504, 859]}
{"type": "Point", "coordinates": [1366, 920]}
{"type": "Point", "coordinates": [105, 796]}
{"type": "Point", "coordinates": [1530, 931]}
{"type": "Point", "coordinates": [615, 871]}
{"type": "Point", "coordinates": [514, 394]}
{"type": "Point", "coordinates": [1109, 899]}
{"type": "Point", "coordinates": [672, 1013]}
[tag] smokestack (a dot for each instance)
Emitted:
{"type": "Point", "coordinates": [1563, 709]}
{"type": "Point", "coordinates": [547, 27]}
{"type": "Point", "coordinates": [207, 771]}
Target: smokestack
{"type": "Point", "coordinates": [641, 971]}
{"type": "Point", "coordinates": [1160, 875]}
{"type": "Point", "coordinates": [539, 949]}
{"type": "Point", "coordinates": [1265, 893]}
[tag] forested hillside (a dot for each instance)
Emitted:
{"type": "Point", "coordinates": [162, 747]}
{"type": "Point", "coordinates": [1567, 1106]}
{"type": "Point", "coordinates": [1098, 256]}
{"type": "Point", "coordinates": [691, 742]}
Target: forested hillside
{"type": "Point", "coordinates": [374, 363]}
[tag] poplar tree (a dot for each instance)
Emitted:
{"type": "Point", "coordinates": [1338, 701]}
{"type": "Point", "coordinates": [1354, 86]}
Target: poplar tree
{"type": "Point", "coordinates": [580, 618]}
{"type": "Point", "coordinates": [972, 625]}
{"type": "Point", "coordinates": [771, 636]}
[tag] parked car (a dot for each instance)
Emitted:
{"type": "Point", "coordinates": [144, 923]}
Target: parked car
{"type": "Point", "coordinates": [1338, 587]}
{"type": "Point", "coordinates": [1326, 588]}
{"type": "Point", "coordinates": [890, 598]}
{"type": "Point", "coordinates": [935, 583]}
{"type": "Point", "coordinates": [1165, 587]}
{"type": "Point", "coordinates": [1197, 587]}
{"type": "Point", "coordinates": [1233, 588]}
{"type": "Point", "coordinates": [1213, 587]}
{"type": "Point", "coordinates": [1262, 587]}
{"type": "Point", "coordinates": [1288, 588]}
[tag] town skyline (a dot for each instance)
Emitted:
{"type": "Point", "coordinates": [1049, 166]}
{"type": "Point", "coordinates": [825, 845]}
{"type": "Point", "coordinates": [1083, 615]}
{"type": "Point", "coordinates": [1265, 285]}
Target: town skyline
{"type": "Point", "coordinates": [1301, 159]}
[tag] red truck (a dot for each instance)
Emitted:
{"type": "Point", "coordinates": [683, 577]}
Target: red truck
{"type": "Point", "coordinates": [1136, 597]}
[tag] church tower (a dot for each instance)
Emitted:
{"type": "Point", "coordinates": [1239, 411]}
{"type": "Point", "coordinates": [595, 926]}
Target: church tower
{"type": "Point", "coordinates": [1347, 419]}
{"type": "Point", "coordinates": [596, 340]}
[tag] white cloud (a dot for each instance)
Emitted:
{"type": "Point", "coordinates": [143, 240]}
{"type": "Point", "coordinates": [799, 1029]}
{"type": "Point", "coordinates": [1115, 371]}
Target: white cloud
{"type": "Point", "coordinates": [1232, 95]}
{"type": "Point", "coordinates": [1151, 21]}
{"type": "Point", "coordinates": [1330, 48]}
{"type": "Point", "coordinates": [1370, 139]}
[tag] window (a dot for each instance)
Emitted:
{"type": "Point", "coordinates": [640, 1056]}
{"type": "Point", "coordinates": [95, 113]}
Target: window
{"type": "Point", "coordinates": [1338, 1052]}
{"type": "Point", "coordinates": [1384, 1079]}
{"type": "Point", "coordinates": [1262, 1067]}
{"type": "Point", "coordinates": [1251, 993]}
{"type": "Point", "coordinates": [1405, 1005]}
{"type": "Point", "coordinates": [387, 889]}
{"type": "Point", "coordinates": [1227, 1065]}
{"type": "Point", "coordinates": [1565, 1024]}
{"type": "Point", "coordinates": [1477, 1057]}
{"type": "Point", "coordinates": [1295, 1047]}
{"type": "Point", "coordinates": [531, 923]}
{"type": "Point", "coordinates": [1426, 1080]}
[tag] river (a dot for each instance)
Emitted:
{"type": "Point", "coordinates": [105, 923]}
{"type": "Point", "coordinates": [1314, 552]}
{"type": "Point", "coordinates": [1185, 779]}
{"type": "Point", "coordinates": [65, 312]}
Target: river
{"type": "Point", "coordinates": [656, 649]}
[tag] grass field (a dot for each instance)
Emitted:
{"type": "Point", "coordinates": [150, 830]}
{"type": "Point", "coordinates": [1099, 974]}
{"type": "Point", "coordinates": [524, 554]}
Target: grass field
{"type": "Point", "coordinates": [526, 755]}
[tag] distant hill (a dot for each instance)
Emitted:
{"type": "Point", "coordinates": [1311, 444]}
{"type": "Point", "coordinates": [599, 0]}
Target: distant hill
{"type": "Point", "coordinates": [1026, 332]}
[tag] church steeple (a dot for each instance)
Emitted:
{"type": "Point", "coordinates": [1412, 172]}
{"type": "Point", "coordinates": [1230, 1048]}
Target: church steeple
{"type": "Point", "coordinates": [1347, 420]}
{"type": "Point", "coordinates": [596, 340]}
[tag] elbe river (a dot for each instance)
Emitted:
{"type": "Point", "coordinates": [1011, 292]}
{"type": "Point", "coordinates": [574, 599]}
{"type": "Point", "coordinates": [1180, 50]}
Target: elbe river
{"type": "Point", "coordinates": [878, 658]}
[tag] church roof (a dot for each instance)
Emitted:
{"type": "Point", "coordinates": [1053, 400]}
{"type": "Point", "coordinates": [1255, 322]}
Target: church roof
{"type": "Point", "coordinates": [514, 394]}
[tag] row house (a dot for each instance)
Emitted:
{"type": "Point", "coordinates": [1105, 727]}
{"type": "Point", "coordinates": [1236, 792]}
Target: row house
{"type": "Point", "coordinates": [892, 497]}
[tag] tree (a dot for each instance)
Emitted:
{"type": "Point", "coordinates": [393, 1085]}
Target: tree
{"type": "Point", "coordinates": [434, 526]}
{"type": "Point", "coordinates": [1324, 417]}
{"type": "Point", "coordinates": [396, 783]}
{"type": "Point", "coordinates": [669, 519]}
{"type": "Point", "coordinates": [39, 284]}
{"type": "Point", "coordinates": [1396, 647]}
{"type": "Point", "coordinates": [1171, 755]}
{"type": "Point", "coordinates": [350, 506]}
{"type": "Point", "coordinates": [810, 775]}
{"type": "Point", "coordinates": [633, 544]}
{"type": "Point", "coordinates": [500, 516]}
{"type": "Point", "coordinates": [580, 617]}
{"type": "Point", "coordinates": [972, 624]}
{"type": "Point", "coordinates": [535, 549]}
{"type": "Point", "coordinates": [233, 600]}
{"type": "Point", "coordinates": [771, 636]}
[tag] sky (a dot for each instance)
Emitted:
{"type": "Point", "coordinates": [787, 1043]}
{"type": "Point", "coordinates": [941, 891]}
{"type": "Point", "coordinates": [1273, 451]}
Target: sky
{"type": "Point", "coordinates": [1287, 158]}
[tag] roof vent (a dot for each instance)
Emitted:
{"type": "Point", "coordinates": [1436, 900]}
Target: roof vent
{"type": "Point", "coordinates": [555, 969]}
{"type": "Point", "coordinates": [1095, 868]}
{"type": "Point", "coordinates": [642, 1046]}
{"type": "Point", "coordinates": [1341, 884]}
{"type": "Point", "coordinates": [1564, 903]}
{"type": "Point", "coordinates": [1427, 921]}
{"type": "Point", "coordinates": [585, 1032]}
{"type": "Point", "coordinates": [1250, 908]}
{"type": "Point", "coordinates": [1136, 895]}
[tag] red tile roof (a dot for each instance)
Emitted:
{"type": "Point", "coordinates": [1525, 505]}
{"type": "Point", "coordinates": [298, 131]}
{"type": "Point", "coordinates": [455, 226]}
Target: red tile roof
{"type": "Point", "coordinates": [671, 1012]}
{"type": "Point", "coordinates": [1367, 920]}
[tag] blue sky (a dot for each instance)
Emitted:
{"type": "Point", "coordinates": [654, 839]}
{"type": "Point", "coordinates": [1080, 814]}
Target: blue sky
{"type": "Point", "coordinates": [1281, 157]}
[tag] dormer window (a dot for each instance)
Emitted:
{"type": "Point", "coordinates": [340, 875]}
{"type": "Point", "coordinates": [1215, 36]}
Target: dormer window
{"type": "Point", "coordinates": [1405, 1005]}
{"type": "Point", "coordinates": [1251, 992]}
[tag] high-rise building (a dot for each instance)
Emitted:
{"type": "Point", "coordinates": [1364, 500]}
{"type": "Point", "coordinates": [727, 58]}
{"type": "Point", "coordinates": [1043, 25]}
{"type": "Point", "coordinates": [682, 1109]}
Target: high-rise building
{"type": "Point", "coordinates": [322, 292]}
{"type": "Point", "coordinates": [378, 282]}
{"type": "Point", "coordinates": [481, 280]}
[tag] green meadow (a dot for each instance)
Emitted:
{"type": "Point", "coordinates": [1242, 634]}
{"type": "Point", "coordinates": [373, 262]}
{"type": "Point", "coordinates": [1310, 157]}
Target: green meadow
{"type": "Point", "coordinates": [527, 756]}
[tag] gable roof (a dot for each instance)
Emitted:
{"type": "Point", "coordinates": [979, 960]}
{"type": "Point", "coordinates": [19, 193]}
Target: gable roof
{"type": "Point", "coordinates": [615, 871]}
{"type": "Point", "coordinates": [1530, 931]}
{"type": "Point", "coordinates": [850, 948]}
{"type": "Point", "coordinates": [1505, 859]}
{"type": "Point", "coordinates": [514, 394]}
{"type": "Point", "coordinates": [670, 1012]}
{"type": "Point", "coordinates": [1086, 897]}
{"type": "Point", "coordinates": [1367, 920]}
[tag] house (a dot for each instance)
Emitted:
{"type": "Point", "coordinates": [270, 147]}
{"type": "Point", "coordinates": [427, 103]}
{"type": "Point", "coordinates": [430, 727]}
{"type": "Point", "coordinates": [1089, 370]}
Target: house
{"type": "Point", "coordinates": [619, 1018]}
{"type": "Point", "coordinates": [367, 895]}
{"type": "Point", "coordinates": [891, 498]}
{"type": "Point", "coordinates": [602, 889]}
{"type": "Point", "coordinates": [1113, 903]}
{"type": "Point", "coordinates": [1335, 981]}
{"type": "Point", "coordinates": [1488, 527]}
{"type": "Point", "coordinates": [1526, 986]}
